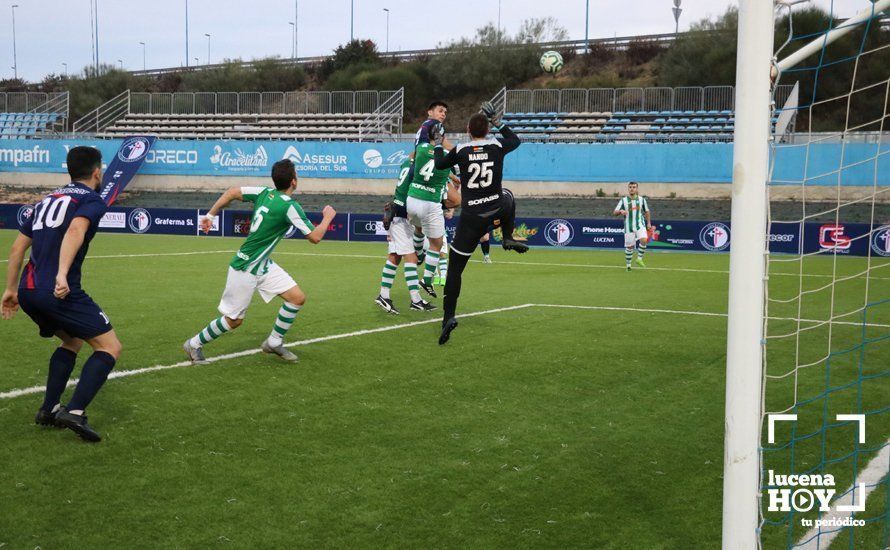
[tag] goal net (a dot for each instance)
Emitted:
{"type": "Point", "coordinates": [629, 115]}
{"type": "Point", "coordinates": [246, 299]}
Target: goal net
{"type": "Point", "coordinates": [827, 295]}
{"type": "Point", "coordinates": [824, 431]}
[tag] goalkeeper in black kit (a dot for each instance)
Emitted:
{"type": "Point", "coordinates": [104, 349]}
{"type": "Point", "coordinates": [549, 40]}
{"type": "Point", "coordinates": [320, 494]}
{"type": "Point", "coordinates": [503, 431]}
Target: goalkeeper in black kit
{"type": "Point", "coordinates": [485, 205]}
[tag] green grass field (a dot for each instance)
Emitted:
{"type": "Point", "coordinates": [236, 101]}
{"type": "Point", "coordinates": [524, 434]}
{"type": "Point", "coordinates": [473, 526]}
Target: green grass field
{"type": "Point", "coordinates": [539, 426]}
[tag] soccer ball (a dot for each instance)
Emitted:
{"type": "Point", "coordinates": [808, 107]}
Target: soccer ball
{"type": "Point", "coordinates": [551, 62]}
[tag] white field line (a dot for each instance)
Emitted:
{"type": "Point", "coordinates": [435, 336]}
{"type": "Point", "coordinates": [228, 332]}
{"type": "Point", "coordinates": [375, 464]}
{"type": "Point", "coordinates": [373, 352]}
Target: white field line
{"type": "Point", "coordinates": [120, 374]}
{"type": "Point", "coordinates": [152, 255]}
{"type": "Point", "coordinates": [244, 353]}
{"type": "Point", "coordinates": [819, 537]}
{"type": "Point", "coordinates": [597, 266]}
{"type": "Point", "coordinates": [504, 262]}
{"type": "Point", "coordinates": [699, 313]}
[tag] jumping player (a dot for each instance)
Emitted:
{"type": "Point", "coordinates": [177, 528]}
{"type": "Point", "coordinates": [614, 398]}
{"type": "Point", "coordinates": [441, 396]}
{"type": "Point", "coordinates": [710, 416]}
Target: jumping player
{"type": "Point", "coordinates": [637, 224]}
{"type": "Point", "coordinates": [274, 214]}
{"type": "Point", "coordinates": [59, 233]}
{"type": "Point", "coordinates": [485, 245]}
{"type": "Point", "coordinates": [484, 204]}
{"type": "Point", "coordinates": [401, 246]}
{"type": "Point", "coordinates": [424, 204]}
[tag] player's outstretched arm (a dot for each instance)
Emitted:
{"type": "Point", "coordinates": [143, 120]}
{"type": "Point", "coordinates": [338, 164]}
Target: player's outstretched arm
{"type": "Point", "coordinates": [444, 161]}
{"type": "Point", "coordinates": [231, 194]}
{"type": "Point", "coordinates": [71, 243]}
{"type": "Point", "coordinates": [10, 301]}
{"type": "Point", "coordinates": [509, 140]}
{"type": "Point", "coordinates": [327, 216]}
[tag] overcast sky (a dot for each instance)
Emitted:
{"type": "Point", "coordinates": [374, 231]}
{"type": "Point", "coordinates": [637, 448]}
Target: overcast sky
{"type": "Point", "coordinates": [50, 32]}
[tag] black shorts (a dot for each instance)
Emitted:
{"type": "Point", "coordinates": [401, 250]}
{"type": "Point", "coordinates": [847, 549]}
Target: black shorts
{"type": "Point", "coordinates": [77, 314]}
{"type": "Point", "coordinates": [471, 227]}
{"type": "Point", "coordinates": [399, 211]}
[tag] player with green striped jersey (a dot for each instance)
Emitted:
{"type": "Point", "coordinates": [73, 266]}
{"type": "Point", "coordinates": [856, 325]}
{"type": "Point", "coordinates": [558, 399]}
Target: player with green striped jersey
{"type": "Point", "coordinates": [428, 183]}
{"type": "Point", "coordinates": [424, 204]}
{"type": "Point", "coordinates": [401, 246]}
{"type": "Point", "coordinates": [275, 214]}
{"type": "Point", "coordinates": [401, 193]}
{"type": "Point", "coordinates": [637, 223]}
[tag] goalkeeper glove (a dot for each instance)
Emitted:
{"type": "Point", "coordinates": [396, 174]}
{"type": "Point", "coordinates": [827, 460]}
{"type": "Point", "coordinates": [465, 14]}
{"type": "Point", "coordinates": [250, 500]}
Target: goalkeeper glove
{"type": "Point", "coordinates": [491, 113]}
{"type": "Point", "coordinates": [437, 134]}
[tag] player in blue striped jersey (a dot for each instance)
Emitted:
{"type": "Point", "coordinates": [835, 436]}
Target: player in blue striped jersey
{"type": "Point", "coordinates": [637, 223]}
{"type": "Point", "coordinates": [58, 233]}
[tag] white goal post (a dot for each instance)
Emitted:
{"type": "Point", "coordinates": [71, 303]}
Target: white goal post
{"type": "Point", "coordinates": [748, 256]}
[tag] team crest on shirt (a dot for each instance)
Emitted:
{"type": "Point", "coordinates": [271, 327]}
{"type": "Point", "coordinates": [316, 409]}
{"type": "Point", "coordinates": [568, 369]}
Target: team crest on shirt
{"type": "Point", "coordinates": [24, 215]}
{"type": "Point", "coordinates": [714, 236]}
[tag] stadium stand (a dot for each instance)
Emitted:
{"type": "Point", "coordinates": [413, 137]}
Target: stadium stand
{"type": "Point", "coordinates": [622, 114]}
{"type": "Point", "coordinates": [30, 114]}
{"type": "Point", "coordinates": [329, 126]}
{"type": "Point", "coordinates": [354, 116]}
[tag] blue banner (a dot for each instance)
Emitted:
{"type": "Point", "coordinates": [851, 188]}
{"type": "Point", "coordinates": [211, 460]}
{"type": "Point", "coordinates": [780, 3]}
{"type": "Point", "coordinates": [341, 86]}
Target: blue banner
{"type": "Point", "coordinates": [822, 164]}
{"type": "Point", "coordinates": [124, 165]}
{"type": "Point", "coordinates": [853, 239]}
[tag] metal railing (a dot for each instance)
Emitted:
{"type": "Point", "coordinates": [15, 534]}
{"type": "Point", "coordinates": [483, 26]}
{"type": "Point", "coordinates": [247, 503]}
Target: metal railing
{"type": "Point", "coordinates": [266, 103]}
{"type": "Point", "coordinates": [612, 43]}
{"type": "Point", "coordinates": [103, 116]}
{"type": "Point", "coordinates": [22, 102]}
{"type": "Point", "coordinates": [385, 123]}
{"type": "Point", "coordinates": [59, 104]}
{"type": "Point", "coordinates": [610, 100]}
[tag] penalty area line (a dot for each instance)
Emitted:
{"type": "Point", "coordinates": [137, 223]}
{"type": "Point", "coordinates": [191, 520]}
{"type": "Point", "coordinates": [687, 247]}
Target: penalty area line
{"type": "Point", "coordinates": [125, 373]}
{"type": "Point", "coordinates": [244, 353]}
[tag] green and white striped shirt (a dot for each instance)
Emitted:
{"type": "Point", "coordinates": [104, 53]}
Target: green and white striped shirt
{"type": "Point", "coordinates": [274, 213]}
{"type": "Point", "coordinates": [636, 207]}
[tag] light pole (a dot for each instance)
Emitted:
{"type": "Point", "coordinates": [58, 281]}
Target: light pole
{"type": "Point", "coordinates": [293, 45]}
{"type": "Point", "coordinates": [196, 62]}
{"type": "Point", "coordinates": [387, 29]}
{"type": "Point", "coordinates": [296, 33]}
{"type": "Point", "coordinates": [208, 47]}
{"type": "Point", "coordinates": [499, 20]}
{"type": "Point", "coordinates": [586, 27]}
{"type": "Point", "coordinates": [351, 19]}
{"type": "Point", "coordinates": [186, 33]}
{"type": "Point", "coordinates": [121, 62]}
{"type": "Point", "coordinates": [66, 69]}
{"type": "Point", "coordinates": [15, 63]}
{"type": "Point", "coordinates": [96, 14]}
{"type": "Point", "coordinates": [677, 11]}
{"type": "Point", "coordinates": [143, 55]}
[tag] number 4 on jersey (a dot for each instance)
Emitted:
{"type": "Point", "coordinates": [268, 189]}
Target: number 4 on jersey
{"type": "Point", "coordinates": [427, 170]}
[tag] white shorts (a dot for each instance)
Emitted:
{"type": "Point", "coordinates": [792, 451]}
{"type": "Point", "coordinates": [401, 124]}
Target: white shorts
{"type": "Point", "coordinates": [240, 286]}
{"type": "Point", "coordinates": [631, 239]}
{"type": "Point", "coordinates": [401, 237]}
{"type": "Point", "coordinates": [427, 215]}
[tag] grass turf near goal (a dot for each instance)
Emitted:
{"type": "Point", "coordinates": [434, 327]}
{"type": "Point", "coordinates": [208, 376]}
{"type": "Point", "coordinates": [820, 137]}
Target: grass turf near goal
{"type": "Point", "coordinates": [542, 426]}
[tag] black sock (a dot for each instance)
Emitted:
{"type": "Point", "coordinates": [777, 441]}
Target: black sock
{"type": "Point", "coordinates": [486, 247]}
{"type": "Point", "coordinates": [452, 284]}
{"type": "Point", "coordinates": [95, 371]}
{"type": "Point", "coordinates": [508, 216]}
{"type": "Point", "coordinates": [61, 363]}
